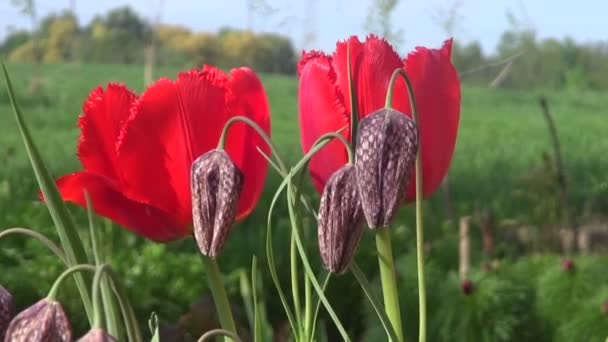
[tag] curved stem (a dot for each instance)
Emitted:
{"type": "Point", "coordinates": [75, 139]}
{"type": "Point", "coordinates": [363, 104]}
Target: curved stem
{"type": "Point", "coordinates": [389, 280]}
{"type": "Point", "coordinates": [38, 236]}
{"type": "Point", "coordinates": [258, 129]}
{"type": "Point", "coordinates": [307, 267]}
{"type": "Point", "coordinates": [318, 145]}
{"type": "Point", "coordinates": [215, 332]}
{"type": "Point", "coordinates": [419, 199]}
{"type": "Point", "coordinates": [222, 305]}
{"type": "Point", "coordinates": [76, 268]}
{"type": "Point", "coordinates": [130, 320]}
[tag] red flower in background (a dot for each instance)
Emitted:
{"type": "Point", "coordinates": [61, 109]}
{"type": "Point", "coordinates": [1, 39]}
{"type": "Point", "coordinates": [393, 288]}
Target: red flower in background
{"type": "Point", "coordinates": [324, 102]}
{"type": "Point", "coordinates": [137, 152]}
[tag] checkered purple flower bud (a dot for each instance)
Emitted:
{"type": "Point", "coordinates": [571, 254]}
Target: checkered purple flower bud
{"type": "Point", "coordinates": [387, 144]}
{"type": "Point", "coordinates": [97, 335]}
{"type": "Point", "coordinates": [340, 220]}
{"type": "Point", "coordinates": [7, 310]}
{"type": "Point", "coordinates": [216, 184]}
{"type": "Point", "coordinates": [45, 321]}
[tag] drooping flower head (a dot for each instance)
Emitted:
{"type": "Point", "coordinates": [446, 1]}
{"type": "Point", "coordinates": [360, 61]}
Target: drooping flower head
{"type": "Point", "coordinates": [137, 152]}
{"type": "Point", "coordinates": [44, 321]}
{"type": "Point", "coordinates": [6, 310]}
{"type": "Point", "coordinates": [324, 102]}
{"type": "Point", "coordinates": [340, 220]}
{"type": "Point", "coordinates": [97, 335]}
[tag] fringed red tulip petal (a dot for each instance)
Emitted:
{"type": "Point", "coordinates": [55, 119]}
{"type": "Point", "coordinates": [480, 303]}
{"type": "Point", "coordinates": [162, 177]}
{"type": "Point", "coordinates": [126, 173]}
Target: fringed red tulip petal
{"type": "Point", "coordinates": [137, 152]}
{"type": "Point", "coordinates": [248, 99]}
{"type": "Point", "coordinates": [437, 90]}
{"type": "Point", "coordinates": [108, 201]}
{"type": "Point", "coordinates": [324, 101]}
{"type": "Point", "coordinates": [322, 110]}
{"type": "Point", "coordinates": [104, 113]}
{"type": "Point", "coordinates": [171, 125]}
{"type": "Point", "coordinates": [372, 64]}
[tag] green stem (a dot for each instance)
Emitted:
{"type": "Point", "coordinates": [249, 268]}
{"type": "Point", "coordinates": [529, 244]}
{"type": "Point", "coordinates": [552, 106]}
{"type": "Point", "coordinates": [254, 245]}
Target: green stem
{"type": "Point", "coordinates": [218, 292]}
{"type": "Point", "coordinates": [317, 309]}
{"type": "Point", "coordinates": [112, 323]}
{"type": "Point", "coordinates": [307, 267]}
{"type": "Point", "coordinates": [130, 320]}
{"type": "Point", "coordinates": [367, 289]}
{"type": "Point", "coordinates": [419, 199]}
{"type": "Point", "coordinates": [38, 236]}
{"type": "Point", "coordinates": [258, 129]}
{"type": "Point", "coordinates": [68, 235]}
{"type": "Point", "coordinates": [212, 333]}
{"type": "Point", "coordinates": [389, 281]}
{"type": "Point", "coordinates": [97, 317]}
{"type": "Point", "coordinates": [308, 308]}
{"type": "Point", "coordinates": [76, 268]}
{"type": "Point", "coordinates": [295, 288]}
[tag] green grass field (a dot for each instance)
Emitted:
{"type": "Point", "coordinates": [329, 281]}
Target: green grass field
{"type": "Point", "coordinates": [500, 144]}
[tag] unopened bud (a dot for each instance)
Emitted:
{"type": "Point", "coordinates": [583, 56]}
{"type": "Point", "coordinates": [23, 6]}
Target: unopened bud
{"type": "Point", "coordinates": [467, 287]}
{"type": "Point", "coordinates": [41, 322]}
{"type": "Point", "coordinates": [605, 307]}
{"type": "Point", "coordinates": [568, 265]}
{"type": "Point", "coordinates": [340, 220]}
{"type": "Point", "coordinates": [386, 150]}
{"type": "Point", "coordinates": [216, 184]}
{"type": "Point", "coordinates": [97, 335]}
{"type": "Point", "coordinates": [7, 310]}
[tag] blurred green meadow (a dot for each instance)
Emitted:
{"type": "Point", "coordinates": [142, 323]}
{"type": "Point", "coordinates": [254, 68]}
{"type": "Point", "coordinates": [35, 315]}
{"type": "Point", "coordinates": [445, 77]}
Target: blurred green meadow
{"type": "Point", "coordinates": [499, 167]}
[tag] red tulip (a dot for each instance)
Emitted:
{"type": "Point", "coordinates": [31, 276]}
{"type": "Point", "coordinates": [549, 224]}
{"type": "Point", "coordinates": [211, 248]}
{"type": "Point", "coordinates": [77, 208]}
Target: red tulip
{"type": "Point", "coordinates": [324, 102]}
{"type": "Point", "coordinates": [137, 152]}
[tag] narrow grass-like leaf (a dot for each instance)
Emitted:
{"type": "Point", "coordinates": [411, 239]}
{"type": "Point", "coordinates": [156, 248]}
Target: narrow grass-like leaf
{"type": "Point", "coordinates": [305, 262]}
{"type": "Point", "coordinates": [367, 288]}
{"type": "Point", "coordinates": [272, 265]}
{"type": "Point", "coordinates": [315, 317]}
{"type": "Point", "coordinates": [257, 326]}
{"type": "Point", "coordinates": [110, 308]}
{"type": "Point", "coordinates": [70, 240]}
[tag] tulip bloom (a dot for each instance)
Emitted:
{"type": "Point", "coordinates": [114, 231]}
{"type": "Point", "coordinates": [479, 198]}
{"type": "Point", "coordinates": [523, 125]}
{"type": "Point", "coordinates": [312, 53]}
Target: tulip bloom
{"type": "Point", "coordinates": [324, 102]}
{"type": "Point", "coordinates": [136, 152]}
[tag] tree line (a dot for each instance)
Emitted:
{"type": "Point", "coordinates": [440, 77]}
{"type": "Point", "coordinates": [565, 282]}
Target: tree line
{"type": "Point", "coordinates": [122, 36]}
{"type": "Point", "coordinates": [521, 59]}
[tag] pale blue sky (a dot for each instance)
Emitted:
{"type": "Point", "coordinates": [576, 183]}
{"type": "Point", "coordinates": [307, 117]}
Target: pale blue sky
{"type": "Point", "coordinates": [482, 20]}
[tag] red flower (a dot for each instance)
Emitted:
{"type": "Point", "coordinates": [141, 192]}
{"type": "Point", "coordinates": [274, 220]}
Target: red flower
{"type": "Point", "coordinates": [324, 102]}
{"type": "Point", "coordinates": [137, 152]}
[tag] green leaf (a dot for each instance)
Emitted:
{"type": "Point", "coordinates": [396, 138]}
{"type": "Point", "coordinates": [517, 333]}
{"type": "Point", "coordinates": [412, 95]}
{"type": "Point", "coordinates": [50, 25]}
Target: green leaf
{"type": "Point", "coordinates": [70, 240]}
{"type": "Point", "coordinates": [153, 324]}
{"type": "Point", "coordinates": [110, 305]}
{"type": "Point", "coordinates": [273, 268]}
{"type": "Point", "coordinates": [367, 288]}
{"type": "Point", "coordinates": [305, 262]}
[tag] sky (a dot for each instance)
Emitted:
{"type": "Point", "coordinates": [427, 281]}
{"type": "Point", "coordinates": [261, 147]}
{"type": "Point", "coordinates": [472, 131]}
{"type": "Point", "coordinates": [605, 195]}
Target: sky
{"type": "Point", "coordinates": [334, 20]}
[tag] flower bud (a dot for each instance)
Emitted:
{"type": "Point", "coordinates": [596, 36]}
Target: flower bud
{"type": "Point", "coordinates": [467, 287]}
{"type": "Point", "coordinates": [605, 307]}
{"type": "Point", "coordinates": [568, 265]}
{"type": "Point", "coordinates": [216, 184]}
{"type": "Point", "coordinates": [97, 335]}
{"type": "Point", "coordinates": [43, 321]}
{"type": "Point", "coordinates": [6, 310]}
{"type": "Point", "coordinates": [387, 143]}
{"type": "Point", "coordinates": [340, 220]}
